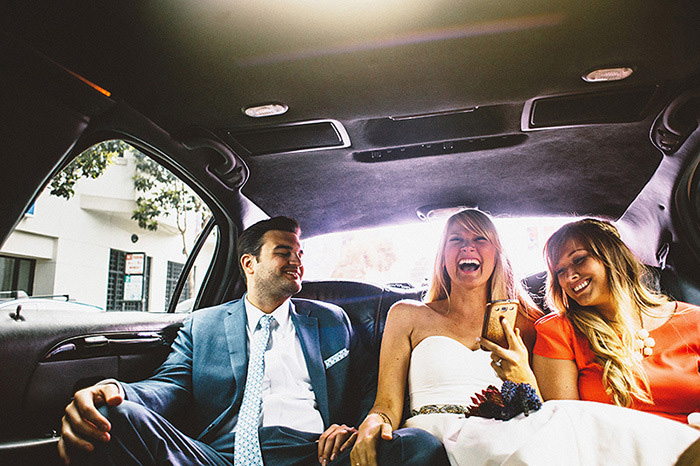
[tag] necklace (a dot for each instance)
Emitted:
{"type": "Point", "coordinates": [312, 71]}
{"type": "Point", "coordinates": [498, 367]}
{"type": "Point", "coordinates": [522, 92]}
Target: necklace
{"type": "Point", "coordinates": [644, 342]}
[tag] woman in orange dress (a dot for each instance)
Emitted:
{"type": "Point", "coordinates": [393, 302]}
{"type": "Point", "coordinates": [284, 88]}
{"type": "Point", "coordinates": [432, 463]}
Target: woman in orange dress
{"type": "Point", "coordinates": [483, 405]}
{"type": "Point", "coordinates": [612, 339]}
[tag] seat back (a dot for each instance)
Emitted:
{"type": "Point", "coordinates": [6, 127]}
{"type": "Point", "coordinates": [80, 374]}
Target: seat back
{"type": "Point", "coordinates": [535, 285]}
{"type": "Point", "coordinates": [366, 304]}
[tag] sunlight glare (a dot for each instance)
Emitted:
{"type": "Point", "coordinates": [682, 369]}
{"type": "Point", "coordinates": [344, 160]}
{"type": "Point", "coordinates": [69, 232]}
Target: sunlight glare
{"type": "Point", "coordinates": [405, 253]}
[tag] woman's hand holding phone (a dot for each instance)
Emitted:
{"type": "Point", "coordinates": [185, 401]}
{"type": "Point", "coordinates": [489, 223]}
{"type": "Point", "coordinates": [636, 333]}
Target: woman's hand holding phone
{"type": "Point", "coordinates": [492, 329]}
{"type": "Point", "coordinates": [510, 361]}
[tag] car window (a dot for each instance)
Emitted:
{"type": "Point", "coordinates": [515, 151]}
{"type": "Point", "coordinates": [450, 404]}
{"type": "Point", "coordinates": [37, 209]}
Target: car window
{"type": "Point", "coordinates": [404, 254]}
{"type": "Point", "coordinates": [113, 230]}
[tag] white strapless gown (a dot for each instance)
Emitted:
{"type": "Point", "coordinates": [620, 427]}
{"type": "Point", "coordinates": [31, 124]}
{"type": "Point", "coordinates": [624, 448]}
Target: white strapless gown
{"type": "Point", "coordinates": [566, 432]}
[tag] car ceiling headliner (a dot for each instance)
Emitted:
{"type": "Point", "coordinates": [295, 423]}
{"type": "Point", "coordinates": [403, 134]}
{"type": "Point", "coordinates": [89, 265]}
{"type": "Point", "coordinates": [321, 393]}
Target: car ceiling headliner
{"type": "Point", "coordinates": [184, 64]}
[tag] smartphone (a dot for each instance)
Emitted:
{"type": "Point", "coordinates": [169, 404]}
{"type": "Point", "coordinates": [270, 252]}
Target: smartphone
{"type": "Point", "coordinates": [492, 329]}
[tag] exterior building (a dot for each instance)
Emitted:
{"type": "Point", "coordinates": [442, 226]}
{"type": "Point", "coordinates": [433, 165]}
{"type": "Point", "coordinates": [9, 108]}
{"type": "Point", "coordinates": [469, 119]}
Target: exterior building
{"type": "Point", "coordinates": [83, 247]}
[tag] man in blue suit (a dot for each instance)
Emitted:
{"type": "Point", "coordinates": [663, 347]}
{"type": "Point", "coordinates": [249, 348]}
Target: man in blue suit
{"type": "Point", "coordinates": [313, 382]}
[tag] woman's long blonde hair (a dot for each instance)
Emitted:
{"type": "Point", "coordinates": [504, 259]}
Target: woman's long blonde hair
{"type": "Point", "coordinates": [503, 284]}
{"type": "Point", "coordinates": [612, 341]}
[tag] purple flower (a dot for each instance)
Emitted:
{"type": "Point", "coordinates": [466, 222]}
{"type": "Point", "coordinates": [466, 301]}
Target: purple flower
{"type": "Point", "coordinates": [511, 400]}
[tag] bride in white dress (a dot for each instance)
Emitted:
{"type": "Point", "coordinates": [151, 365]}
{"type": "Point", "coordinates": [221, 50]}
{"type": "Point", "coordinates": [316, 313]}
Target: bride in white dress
{"type": "Point", "coordinates": [433, 351]}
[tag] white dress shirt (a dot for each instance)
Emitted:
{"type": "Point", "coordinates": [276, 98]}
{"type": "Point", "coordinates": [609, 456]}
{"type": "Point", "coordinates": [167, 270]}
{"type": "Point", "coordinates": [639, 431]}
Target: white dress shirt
{"type": "Point", "coordinates": [287, 396]}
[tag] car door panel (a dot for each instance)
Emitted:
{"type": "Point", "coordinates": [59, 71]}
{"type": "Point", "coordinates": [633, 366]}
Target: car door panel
{"type": "Point", "coordinates": [47, 355]}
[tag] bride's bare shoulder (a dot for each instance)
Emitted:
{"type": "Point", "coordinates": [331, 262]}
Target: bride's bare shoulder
{"type": "Point", "coordinates": [406, 305]}
{"type": "Point", "coordinates": [405, 317]}
{"type": "Point", "coordinates": [413, 308]}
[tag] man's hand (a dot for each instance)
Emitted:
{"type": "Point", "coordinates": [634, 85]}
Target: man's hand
{"type": "Point", "coordinates": [83, 424]}
{"type": "Point", "coordinates": [334, 440]}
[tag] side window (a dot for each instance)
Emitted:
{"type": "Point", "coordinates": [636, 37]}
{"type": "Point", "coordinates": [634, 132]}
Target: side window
{"type": "Point", "coordinates": [174, 271]}
{"type": "Point", "coordinates": [17, 273]}
{"type": "Point", "coordinates": [114, 230]}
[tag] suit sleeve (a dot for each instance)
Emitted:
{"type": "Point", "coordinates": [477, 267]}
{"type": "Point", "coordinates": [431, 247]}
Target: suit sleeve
{"type": "Point", "coordinates": [170, 388]}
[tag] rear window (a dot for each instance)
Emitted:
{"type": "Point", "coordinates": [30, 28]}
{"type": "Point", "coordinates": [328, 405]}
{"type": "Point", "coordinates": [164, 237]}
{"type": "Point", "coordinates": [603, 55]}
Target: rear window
{"type": "Point", "coordinates": [404, 254]}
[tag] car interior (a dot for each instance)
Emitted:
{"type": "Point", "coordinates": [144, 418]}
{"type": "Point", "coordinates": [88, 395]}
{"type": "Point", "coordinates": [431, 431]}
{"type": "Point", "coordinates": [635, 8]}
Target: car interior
{"type": "Point", "coordinates": [346, 116]}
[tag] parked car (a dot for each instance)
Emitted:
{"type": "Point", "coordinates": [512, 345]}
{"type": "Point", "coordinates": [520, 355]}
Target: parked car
{"type": "Point", "coordinates": [19, 301]}
{"type": "Point", "coordinates": [345, 115]}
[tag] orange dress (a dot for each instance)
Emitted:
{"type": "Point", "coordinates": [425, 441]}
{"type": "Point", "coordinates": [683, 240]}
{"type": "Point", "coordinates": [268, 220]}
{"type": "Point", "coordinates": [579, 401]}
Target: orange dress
{"type": "Point", "coordinates": [673, 369]}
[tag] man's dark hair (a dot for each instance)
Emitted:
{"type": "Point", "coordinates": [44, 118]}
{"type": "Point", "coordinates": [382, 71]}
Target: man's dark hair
{"type": "Point", "coordinates": [250, 241]}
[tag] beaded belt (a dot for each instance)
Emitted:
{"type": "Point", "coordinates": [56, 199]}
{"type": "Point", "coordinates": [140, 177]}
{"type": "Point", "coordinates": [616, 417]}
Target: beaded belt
{"type": "Point", "coordinates": [433, 409]}
{"type": "Point", "coordinates": [491, 403]}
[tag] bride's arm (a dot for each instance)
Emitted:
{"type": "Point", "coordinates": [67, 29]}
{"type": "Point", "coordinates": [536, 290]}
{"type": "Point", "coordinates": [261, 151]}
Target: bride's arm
{"type": "Point", "coordinates": [385, 415]}
{"type": "Point", "coordinates": [511, 363]}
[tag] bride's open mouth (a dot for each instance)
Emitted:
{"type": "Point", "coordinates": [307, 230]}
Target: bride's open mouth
{"type": "Point", "coordinates": [469, 265]}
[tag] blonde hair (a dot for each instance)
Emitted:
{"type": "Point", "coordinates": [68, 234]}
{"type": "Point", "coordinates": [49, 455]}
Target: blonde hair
{"type": "Point", "coordinates": [503, 284]}
{"type": "Point", "coordinates": [612, 341]}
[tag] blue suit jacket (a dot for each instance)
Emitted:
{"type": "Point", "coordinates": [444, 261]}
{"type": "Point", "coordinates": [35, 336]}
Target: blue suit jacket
{"type": "Point", "coordinates": [204, 375]}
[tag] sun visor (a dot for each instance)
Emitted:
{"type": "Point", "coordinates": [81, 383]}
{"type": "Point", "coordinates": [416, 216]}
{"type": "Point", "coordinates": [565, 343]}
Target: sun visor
{"type": "Point", "coordinates": [292, 137]}
{"type": "Point", "coordinates": [615, 106]}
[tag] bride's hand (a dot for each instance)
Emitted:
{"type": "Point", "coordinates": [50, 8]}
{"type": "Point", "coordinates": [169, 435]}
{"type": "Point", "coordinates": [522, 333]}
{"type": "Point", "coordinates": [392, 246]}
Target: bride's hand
{"type": "Point", "coordinates": [365, 450]}
{"type": "Point", "coordinates": [511, 363]}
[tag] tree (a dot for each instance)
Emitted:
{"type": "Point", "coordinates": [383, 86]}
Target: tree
{"type": "Point", "coordinates": [90, 164]}
{"type": "Point", "coordinates": [164, 195]}
{"type": "Point", "coordinates": [161, 194]}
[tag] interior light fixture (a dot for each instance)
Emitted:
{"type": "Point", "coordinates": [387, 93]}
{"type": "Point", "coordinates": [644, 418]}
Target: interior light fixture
{"type": "Point", "coordinates": [266, 110]}
{"type": "Point", "coordinates": [607, 74]}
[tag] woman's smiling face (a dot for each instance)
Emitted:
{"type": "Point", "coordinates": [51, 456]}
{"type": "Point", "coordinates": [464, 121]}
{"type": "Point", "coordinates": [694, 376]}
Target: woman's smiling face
{"type": "Point", "coordinates": [470, 258]}
{"type": "Point", "coordinates": [583, 277]}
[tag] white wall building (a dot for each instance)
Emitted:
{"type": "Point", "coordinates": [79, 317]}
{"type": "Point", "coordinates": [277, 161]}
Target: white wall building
{"type": "Point", "coordinates": [70, 243]}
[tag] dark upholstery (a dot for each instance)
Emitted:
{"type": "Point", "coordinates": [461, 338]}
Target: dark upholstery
{"type": "Point", "coordinates": [367, 305]}
{"type": "Point", "coordinates": [535, 285]}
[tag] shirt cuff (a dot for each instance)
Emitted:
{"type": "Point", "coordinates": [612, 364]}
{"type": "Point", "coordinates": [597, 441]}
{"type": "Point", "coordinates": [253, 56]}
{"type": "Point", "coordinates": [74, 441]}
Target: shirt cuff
{"type": "Point", "coordinates": [115, 382]}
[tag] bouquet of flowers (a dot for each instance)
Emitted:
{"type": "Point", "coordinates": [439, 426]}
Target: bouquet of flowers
{"type": "Point", "coordinates": [511, 400]}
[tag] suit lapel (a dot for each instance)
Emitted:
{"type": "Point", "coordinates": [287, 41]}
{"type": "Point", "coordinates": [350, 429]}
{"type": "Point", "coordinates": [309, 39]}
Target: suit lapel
{"type": "Point", "coordinates": [308, 332]}
{"type": "Point", "coordinates": [237, 342]}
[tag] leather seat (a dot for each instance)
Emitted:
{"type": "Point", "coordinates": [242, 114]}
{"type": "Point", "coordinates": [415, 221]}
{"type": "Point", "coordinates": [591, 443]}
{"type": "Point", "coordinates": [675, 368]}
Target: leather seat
{"type": "Point", "coordinates": [366, 304]}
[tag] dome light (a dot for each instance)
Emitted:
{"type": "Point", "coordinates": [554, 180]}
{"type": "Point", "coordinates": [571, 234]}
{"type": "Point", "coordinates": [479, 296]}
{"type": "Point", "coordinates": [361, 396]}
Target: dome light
{"type": "Point", "coordinates": [266, 110]}
{"type": "Point", "coordinates": [607, 74]}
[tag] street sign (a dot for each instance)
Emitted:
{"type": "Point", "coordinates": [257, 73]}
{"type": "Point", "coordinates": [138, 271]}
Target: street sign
{"type": "Point", "coordinates": [133, 287]}
{"type": "Point", "coordinates": [135, 263]}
